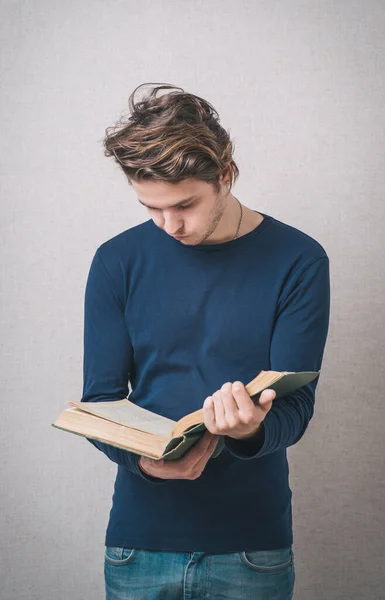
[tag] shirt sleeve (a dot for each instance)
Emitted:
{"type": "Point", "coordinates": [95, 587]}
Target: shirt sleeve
{"type": "Point", "coordinates": [108, 354]}
{"type": "Point", "coordinates": [297, 344]}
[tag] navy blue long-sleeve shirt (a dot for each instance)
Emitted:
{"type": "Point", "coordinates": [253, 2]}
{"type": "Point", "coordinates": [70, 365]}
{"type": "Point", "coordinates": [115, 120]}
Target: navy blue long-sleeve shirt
{"type": "Point", "coordinates": [177, 321]}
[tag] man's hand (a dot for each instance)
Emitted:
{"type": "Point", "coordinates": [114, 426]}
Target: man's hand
{"type": "Point", "coordinates": [230, 411]}
{"type": "Point", "coordinates": [190, 466]}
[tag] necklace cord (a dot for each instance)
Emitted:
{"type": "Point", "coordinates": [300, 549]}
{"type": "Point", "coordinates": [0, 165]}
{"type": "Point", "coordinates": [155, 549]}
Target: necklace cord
{"type": "Point", "coordinates": [240, 220]}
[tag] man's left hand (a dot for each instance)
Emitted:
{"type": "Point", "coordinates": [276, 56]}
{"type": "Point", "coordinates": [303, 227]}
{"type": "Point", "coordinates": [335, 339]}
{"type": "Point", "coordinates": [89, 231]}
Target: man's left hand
{"type": "Point", "coordinates": [230, 411]}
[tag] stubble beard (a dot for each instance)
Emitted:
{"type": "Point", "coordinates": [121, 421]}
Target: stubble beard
{"type": "Point", "coordinates": [215, 217]}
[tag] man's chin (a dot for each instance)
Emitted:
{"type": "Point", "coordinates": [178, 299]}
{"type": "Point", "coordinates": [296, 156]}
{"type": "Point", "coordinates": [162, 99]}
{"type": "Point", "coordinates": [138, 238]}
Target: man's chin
{"type": "Point", "coordinates": [189, 240]}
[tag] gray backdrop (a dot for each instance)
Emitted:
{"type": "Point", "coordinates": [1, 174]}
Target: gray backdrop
{"type": "Point", "coordinates": [300, 85]}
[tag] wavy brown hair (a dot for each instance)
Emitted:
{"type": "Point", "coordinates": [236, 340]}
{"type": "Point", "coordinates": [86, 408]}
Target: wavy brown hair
{"type": "Point", "coordinates": [171, 137]}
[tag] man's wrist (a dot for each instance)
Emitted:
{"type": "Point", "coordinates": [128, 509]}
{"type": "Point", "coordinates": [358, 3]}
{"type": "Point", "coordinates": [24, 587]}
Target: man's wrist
{"type": "Point", "coordinates": [247, 446]}
{"type": "Point", "coordinates": [251, 435]}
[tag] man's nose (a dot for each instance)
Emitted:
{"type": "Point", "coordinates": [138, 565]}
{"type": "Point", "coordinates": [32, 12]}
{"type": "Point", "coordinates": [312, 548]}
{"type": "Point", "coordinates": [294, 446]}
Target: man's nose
{"type": "Point", "coordinates": [172, 224]}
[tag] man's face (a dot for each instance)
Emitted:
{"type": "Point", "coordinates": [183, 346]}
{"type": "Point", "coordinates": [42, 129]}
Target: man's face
{"type": "Point", "coordinates": [194, 219]}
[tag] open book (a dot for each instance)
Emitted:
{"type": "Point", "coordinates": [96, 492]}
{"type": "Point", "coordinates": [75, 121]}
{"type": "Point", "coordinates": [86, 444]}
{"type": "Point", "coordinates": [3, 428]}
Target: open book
{"type": "Point", "coordinates": [123, 424]}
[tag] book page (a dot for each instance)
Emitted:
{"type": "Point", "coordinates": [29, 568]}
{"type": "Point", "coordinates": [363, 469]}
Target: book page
{"type": "Point", "coordinates": [129, 414]}
{"type": "Point", "coordinates": [96, 428]}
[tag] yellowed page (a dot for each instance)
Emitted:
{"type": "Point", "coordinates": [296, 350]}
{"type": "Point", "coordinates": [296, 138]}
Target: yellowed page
{"type": "Point", "coordinates": [91, 426]}
{"type": "Point", "coordinates": [128, 414]}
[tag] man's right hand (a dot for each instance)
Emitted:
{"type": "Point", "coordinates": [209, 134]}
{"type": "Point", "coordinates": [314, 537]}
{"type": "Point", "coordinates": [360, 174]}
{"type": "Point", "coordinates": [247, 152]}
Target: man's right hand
{"type": "Point", "coordinates": [190, 466]}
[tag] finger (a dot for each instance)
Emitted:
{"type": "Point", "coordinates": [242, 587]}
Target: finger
{"type": "Point", "coordinates": [266, 399]}
{"type": "Point", "coordinates": [196, 458]}
{"type": "Point", "coordinates": [209, 414]}
{"type": "Point", "coordinates": [200, 448]}
{"type": "Point", "coordinates": [229, 405]}
{"type": "Point", "coordinates": [246, 406]}
{"type": "Point", "coordinates": [167, 468]}
{"type": "Point", "coordinates": [206, 439]}
{"type": "Point", "coordinates": [219, 410]}
{"type": "Point", "coordinates": [203, 460]}
{"type": "Point", "coordinates": [211, 447]}
{"type": "Point", "coordinates": [204, 442]}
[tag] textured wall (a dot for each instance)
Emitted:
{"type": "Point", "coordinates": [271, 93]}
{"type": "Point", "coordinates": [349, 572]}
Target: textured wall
{"type": "Point", "coordinates": [300, 84]}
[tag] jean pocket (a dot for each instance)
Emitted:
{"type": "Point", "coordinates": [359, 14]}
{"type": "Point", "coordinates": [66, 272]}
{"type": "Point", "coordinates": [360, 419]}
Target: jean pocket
{"type": "Point", "coordinates": [117, 556]}
{"type": "Point", "coordinates": [268, 561]}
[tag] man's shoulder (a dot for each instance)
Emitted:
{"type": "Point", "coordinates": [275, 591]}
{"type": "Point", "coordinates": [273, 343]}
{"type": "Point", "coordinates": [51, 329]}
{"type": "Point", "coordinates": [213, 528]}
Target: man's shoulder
{"type": "Point", "coordinates": [294, 241]}
{"type": "Point", "coordinates": [123, 250]}
{"type": "Point", "coordinates": [121, 243]}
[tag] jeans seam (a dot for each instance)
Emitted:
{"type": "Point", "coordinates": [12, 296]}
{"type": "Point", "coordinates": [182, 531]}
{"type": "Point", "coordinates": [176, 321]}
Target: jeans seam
{"type": "Point", "coordinates": [208, 578]}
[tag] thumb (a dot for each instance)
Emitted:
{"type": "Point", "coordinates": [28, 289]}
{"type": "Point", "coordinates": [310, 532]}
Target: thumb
{"type": "Point", "coordinates": [266, 399]}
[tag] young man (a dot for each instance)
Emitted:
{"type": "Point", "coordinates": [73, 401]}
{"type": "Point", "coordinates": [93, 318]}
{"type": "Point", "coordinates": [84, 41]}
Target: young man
{"type": "Point", "coordinates": [188, 307]}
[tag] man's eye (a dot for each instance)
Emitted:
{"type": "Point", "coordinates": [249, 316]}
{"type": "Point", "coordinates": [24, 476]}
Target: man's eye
{"type": "Point", "coordinates": [183, 207]}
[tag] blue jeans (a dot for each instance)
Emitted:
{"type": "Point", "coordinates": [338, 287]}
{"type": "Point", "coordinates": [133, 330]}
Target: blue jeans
{"type": "Point", "coordinates": [154, 575]}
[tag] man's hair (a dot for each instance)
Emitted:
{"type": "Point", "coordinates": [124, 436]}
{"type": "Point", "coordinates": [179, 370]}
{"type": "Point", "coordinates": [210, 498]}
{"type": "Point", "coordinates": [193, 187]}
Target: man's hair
{"type": "Point", "coordinates": [171, 137]}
